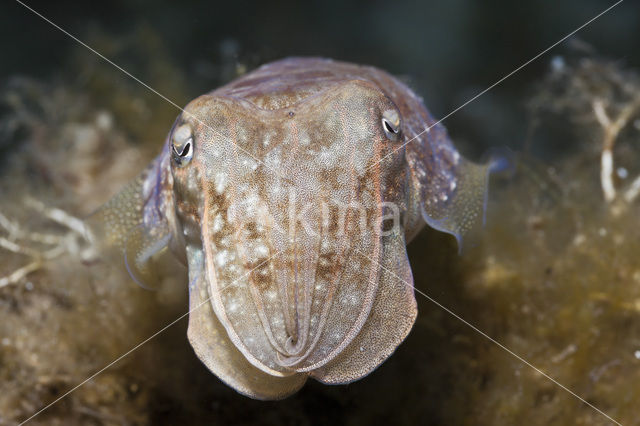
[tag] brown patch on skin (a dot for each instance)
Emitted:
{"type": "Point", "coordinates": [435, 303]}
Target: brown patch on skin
{"type": "Point", "coordinates": [328, 266]}
{"type": "Point", "coordinates": [260, 274]}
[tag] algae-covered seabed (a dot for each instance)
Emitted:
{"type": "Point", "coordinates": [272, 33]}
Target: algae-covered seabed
{"type": "Point", "coordinates": [555, 279]}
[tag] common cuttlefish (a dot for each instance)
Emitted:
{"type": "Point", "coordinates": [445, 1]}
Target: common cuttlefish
{"type": "Point", "coordinates": [290, 195]}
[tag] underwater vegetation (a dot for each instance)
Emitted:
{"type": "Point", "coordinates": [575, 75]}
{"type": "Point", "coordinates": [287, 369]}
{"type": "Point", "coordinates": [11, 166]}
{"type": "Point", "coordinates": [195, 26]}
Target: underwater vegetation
{"type": "Point", "coordinates": [555, 277]}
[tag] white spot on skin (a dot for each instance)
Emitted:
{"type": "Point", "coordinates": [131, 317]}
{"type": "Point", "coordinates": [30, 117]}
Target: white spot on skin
{"type": "Point", "coordinates": [277, 324]}
{"type": "Point", "coordinates": [226, 242]}
{"type": "Point", "coordinates": [250, 164]}
{"type": "Point", "coordinates": [261, 250]}
{"type": "Point", "coordinates": [251, 205]}
{"type": "Point", "coordinates": [256, 252]}
{"type": "Point", "coordinates": [274, 161]}
{"type": "Point", "coordinates": [218, 223]}
{"type": "Point", "coordinates": [271, 295]}
{"type": "Point", "coordinates": [220, 180]}
{"type": "Point", "coordinates": [223, 257]}
{"type": "Point", "coordinates": [232, 307]}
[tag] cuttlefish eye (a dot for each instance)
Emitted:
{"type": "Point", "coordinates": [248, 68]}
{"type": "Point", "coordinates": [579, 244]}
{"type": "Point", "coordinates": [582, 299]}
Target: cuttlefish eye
{"type": "Point", "coordinates": [182, 145]}
{"type": "Point", "coordinates": [391, 124]}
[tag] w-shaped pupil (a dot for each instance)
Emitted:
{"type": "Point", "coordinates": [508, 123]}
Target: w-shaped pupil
{"type": "Point", "coordinates": [185, 150]}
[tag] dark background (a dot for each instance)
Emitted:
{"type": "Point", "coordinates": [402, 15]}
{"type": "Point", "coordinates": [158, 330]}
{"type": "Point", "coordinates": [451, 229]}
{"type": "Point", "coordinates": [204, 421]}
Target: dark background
{"type": "Point", "coordinates": [449, 51]}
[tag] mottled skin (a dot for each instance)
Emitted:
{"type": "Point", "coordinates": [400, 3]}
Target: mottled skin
{"type": "Point", "coordinates": [282, 287]}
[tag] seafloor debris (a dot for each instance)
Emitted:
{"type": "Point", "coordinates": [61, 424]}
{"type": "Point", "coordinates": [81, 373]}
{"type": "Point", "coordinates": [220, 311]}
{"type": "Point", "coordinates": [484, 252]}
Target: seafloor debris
{"type": "Point", "coordinates": [18, 240]}
{"type": "Point", "coordinates": [601, 100]}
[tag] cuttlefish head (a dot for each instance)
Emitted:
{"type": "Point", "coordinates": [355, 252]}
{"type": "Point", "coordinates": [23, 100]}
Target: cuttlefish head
{"type": "Point", "coordinates": [294, 226]}
{"type": "Point", "coordinates": [288, 223]}
{"type": "Point", "coordinates": [293, 223]}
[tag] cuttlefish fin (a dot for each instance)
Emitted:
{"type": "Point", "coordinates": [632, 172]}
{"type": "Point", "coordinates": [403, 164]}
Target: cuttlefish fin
{"type": "Point", "coordinates": [391, 318]}
{"type": "Point", "coordinates": [451, 191]}
{"type": "Point", "coordinates": [212, 345]}
{"type": "Point", "coordinates": [463, 213]}
{"type": "Point", "coordinates": [120, 227]}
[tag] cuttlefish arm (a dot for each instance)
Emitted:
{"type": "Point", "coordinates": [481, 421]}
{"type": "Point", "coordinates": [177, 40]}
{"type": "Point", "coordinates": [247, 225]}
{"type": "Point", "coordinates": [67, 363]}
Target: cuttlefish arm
{"type": "Point", "coordinates": [212, 345]}
{"type": "Point", "coordinates": [390, 320]}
